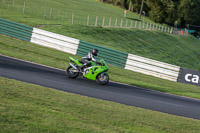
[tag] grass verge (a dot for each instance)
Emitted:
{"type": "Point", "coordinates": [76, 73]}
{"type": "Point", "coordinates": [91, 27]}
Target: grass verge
{"type": "Point", "coordinates": [35, 53]}
{"type": "Point", "coordinates": [30, 108]}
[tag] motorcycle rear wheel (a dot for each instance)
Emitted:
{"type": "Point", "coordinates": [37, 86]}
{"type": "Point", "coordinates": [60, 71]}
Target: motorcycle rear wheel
{"type": "Point", "coordinates": [70, 73]}
{"type": "Point", "coordinates": [102, 80]}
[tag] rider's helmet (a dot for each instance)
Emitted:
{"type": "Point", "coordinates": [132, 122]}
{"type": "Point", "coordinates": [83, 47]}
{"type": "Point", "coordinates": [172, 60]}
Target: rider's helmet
{"type": "Point", "coordinates": [95, 52]}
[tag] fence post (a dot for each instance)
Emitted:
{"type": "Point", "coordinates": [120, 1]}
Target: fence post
{"type": "Point", "coordinates": [24, 7]}
{"type": "Point", "coordinates": [72, 18]}
{"type": "Point", "coordinates": [126, 23]}
{"type": "Point", "coordinates": [162, 28]}
{"type": "Point", "coordinates": [186, 32]}
{"type": "Point", "coordinates": [51, 11]}
{"type": "Point", "coordinates": [150, 26]}
{"type": "Point", "coordinates": [131, 24]}
{"type": "Point", "coordinates": [140, 25]}
{"type": "Point", "coordinates": [153, 27]}
{"type": "Point", "coordinates": [171, 30]}
{"type": "Point", "coordinates": [116, 22]}
{"type": "Point", "coordinates": [3, 2]}
{"type": "Point", "coordinates": [103, 22]}
{"type": "Point", "coordinates": [121, 23]}
{"type": "Point", "coordinates": [88, 19]}
{"type": "Point", "coordinates": [13, 3]}
{"type": "Point", "coordinates": [135, 24]}
{"type": "Point", "coordinates": [147, 27]}
{"type": "Point", "coordinates": [143, 24]}
{"type": "Point", "coordinates": [45, 15]}
{"type": "Point", "coordinates": [63, 19]}
{"type": "Point", "coordinates": [58, 13]}
{"type": "Point", "coordinates": [110, 22]}
{"type": "Point", "coordinates": [96, 20]}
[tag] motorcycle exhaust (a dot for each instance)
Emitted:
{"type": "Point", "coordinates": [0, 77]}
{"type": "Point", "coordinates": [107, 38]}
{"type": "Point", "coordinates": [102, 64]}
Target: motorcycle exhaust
{"type": "Point", "coordinates": [73, 66]}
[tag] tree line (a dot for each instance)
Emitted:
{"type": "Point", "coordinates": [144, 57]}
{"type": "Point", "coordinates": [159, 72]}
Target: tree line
{"type": "Point", "coordinates": [181, 12]}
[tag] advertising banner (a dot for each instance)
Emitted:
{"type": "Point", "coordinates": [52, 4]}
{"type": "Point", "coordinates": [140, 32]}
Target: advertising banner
{"type": "Point", "coordinates": [189, 77]}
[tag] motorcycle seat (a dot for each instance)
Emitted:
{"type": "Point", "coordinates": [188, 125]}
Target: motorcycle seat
{"type": "Point", "coordinates": [80, 61]}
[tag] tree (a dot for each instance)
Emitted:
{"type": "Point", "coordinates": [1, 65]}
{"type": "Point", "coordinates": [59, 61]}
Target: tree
{"type": "Point", "coordinates": [130, 5]}
{"type": "Point", "coordinates": [165, 11]}
{"type": "Point", "coordinates": [188, 12]}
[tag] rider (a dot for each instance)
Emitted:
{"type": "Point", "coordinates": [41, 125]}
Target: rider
{"type": "Point", "coordinates": [90, 56]}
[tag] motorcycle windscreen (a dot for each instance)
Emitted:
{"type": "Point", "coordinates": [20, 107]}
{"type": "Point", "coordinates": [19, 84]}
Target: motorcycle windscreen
{"type": "Point", "coordinates": [104, 63]}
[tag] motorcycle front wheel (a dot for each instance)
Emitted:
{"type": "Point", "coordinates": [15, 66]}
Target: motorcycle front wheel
{"type": "Point", "coordinates": [70, 72]}
{"type": "Point", "coordinates": [102, 80]}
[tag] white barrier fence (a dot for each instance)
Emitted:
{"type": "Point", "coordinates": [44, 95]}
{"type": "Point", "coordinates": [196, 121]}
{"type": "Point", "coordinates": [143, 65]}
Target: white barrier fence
{"type": "Point", "coordinates": [56, 41]}
{"type": "Point", "coordinates": [152, 67]}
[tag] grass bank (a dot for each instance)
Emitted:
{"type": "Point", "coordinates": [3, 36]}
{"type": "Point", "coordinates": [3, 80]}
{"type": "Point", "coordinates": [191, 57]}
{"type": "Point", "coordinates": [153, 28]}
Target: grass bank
{"type": "Point", "coordinates": [60, 12]}
{"type": "Point", "coordinates": [51, 57]}
{"type": "Point", "coordinates": [30, 108]}
{"type": "Point", "coordinates": [176, 50]}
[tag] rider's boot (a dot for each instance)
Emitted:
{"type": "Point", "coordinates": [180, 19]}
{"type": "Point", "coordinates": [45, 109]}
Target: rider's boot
{"type": "Point", "coordinates": [82, 67]}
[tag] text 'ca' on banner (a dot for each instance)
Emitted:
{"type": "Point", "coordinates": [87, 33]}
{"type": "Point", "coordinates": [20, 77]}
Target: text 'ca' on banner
{"type": "Point", "coordinates": [189, 77]}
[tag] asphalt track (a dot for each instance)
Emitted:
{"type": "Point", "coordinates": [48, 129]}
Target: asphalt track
{"type": "Point", "coordinates": [124, 94]}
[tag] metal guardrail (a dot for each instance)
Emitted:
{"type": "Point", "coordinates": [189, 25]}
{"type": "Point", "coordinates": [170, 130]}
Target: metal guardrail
{"type": "Point", "coordinates": [152, 67]}
{"type": "Point", "coordinates": [15, 30]}
{"type": "Point", "coordinates": [111, 56]}
{"type": "Point", "coordinates": [56, 41]}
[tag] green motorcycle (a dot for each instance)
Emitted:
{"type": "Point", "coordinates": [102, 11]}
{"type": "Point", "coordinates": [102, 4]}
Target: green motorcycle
{"type": "Point", "coordinates": [97, 71]}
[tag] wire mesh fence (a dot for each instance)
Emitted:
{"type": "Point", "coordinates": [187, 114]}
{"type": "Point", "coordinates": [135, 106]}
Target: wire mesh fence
{"type": "Point", "coordinates": [67, 16]}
